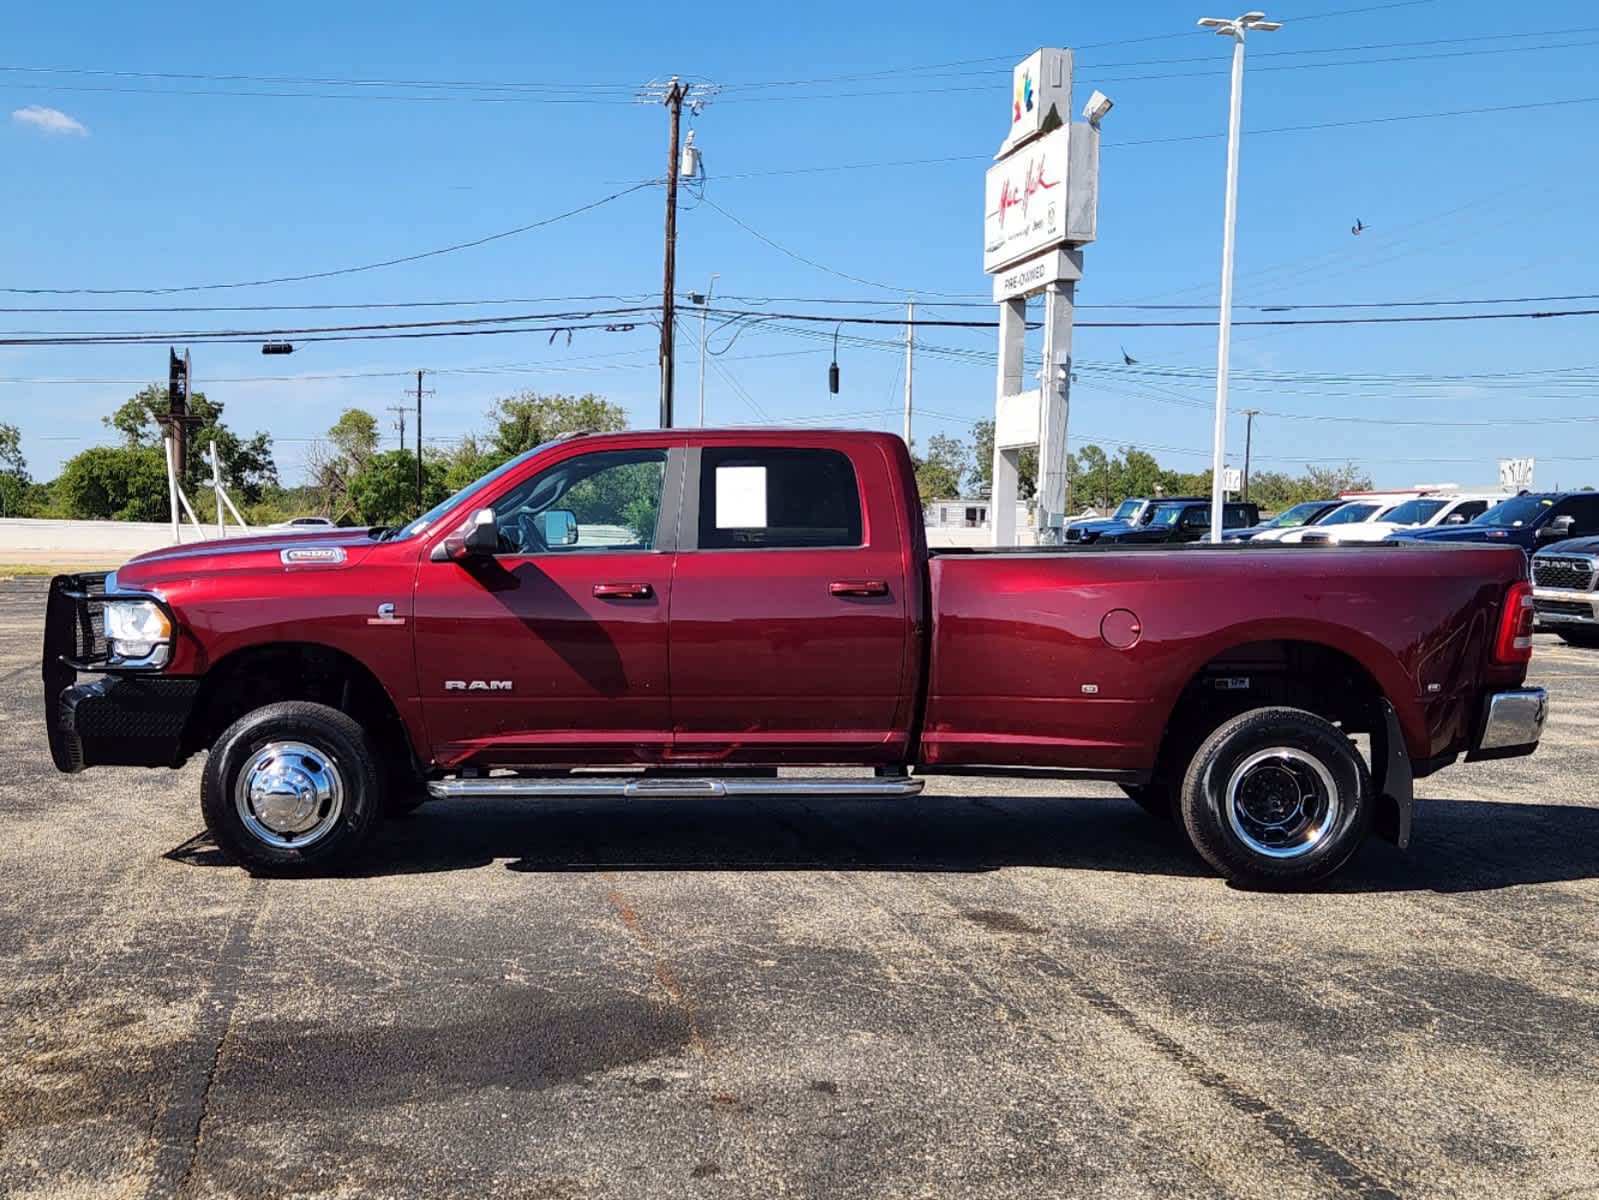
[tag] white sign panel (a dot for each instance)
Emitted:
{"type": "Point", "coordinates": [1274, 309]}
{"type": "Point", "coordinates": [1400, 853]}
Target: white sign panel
{"type": "Point", "coordinates": [1515, 473]}
{"type": "Point", "coordinates": [1041, 95]}
{"type": "Point", "coordinates": [1232, 479]}
{"type": "Point", "coordinates": [741, 497]}
{"type": "Point", "coordinates": [1016, 420]}
{"type": "Point", "coordinates": [1024, 201]}
{"type": "Point", "coordinates": [1033, 276]}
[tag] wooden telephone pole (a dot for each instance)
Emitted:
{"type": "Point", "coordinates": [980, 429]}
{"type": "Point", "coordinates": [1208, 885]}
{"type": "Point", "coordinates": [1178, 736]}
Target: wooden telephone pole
{"type": "Point", "coordinates": [674, 94]}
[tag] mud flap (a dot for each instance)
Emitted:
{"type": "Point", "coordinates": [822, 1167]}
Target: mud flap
{"type": "Point", "coordinates": [1391, 778]}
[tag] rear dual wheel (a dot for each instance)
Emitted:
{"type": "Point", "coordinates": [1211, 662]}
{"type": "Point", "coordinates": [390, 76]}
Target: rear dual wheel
{"type": "Point", "coordinates": [1276, 797]}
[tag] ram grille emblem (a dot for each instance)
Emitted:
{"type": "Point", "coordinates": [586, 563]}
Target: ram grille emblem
{"type": "Point", "coordinates": [477, 685]}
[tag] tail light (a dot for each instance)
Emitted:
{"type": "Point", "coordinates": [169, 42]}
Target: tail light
{"type": "Point", "coordinates": [1514, 643]}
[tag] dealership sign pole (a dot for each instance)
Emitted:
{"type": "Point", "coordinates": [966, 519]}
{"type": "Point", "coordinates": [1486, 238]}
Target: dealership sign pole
{"type": "Point", "coordinates": [1040, 206]}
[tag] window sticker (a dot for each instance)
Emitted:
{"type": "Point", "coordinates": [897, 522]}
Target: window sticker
{"type": "Point", "coordinates": [741, 497]}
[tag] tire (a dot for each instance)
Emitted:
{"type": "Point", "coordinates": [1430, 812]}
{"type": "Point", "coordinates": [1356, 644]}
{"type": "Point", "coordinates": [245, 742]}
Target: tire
{"type": "Point", "coordinates": [1157, 798]}
{"type": "Point", "coordinates": [1587, 638]}
{"type": "Point", "coordinates": [318, 789]}
{"type": "Point", "coordinates": [1277, 798]}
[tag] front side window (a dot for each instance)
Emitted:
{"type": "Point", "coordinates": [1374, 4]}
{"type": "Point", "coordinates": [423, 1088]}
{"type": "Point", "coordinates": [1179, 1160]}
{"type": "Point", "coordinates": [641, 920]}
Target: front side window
{"type": "Point", "coordinates": [1584, 514]}
{"type": "Point", "coordinates": [1350, 514]}
{"type": "Point", "coordinates": [1516, 512]}
{"type": "Point", "coordinates": [1415, 512]}
{"type": "Point", "coordinates": [777, 498]}
{"type": "Point", "coordinates": [605, 501]}
{"type": "Point", "coordinates": [1296, 516]}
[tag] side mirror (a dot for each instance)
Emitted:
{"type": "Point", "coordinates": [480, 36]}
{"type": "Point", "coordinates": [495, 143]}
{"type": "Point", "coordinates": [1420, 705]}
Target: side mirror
{"type": "Point", "coordinates": [558, 526]}
{"type": "Point", "coordinates": [1455, 519]}
{"type": "Point", "coordinates": [1560, 527]}
{"type": "Point", "coordinates": [478, 538]}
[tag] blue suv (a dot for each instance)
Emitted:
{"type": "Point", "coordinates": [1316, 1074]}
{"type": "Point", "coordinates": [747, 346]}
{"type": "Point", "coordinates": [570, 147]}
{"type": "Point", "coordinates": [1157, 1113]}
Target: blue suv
{"type": "Point", "coordinates": [1529, 520]}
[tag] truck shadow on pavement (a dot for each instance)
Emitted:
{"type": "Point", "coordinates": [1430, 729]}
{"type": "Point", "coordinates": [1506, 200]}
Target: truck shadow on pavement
{"type": "Point", "coordinates": [1458, 846]}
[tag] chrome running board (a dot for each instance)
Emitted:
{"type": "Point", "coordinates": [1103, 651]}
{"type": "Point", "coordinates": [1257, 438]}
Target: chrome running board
{"type": "Point", "coordinates": [602, 788]}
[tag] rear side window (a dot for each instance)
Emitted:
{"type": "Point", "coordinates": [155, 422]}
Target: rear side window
{"type": "Point", "coordinates": [777, 498]}
{"type": "Point", "coordinates": [1236, 516]}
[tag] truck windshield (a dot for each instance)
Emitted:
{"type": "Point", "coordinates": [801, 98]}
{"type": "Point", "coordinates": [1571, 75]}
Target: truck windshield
{"type": "Point", "coordinates": [425, 521]}
{"type": "Point", "coordinates": [1415, 512]}
{"type": "Point", "coordinates": [1126, 510]}
{"type": "Point", "coordinates": [1516, 512]}
{"type": "Point", "coordinates": [1349, 514]}
{"type": "Point", "coordinates": [1299, 514]}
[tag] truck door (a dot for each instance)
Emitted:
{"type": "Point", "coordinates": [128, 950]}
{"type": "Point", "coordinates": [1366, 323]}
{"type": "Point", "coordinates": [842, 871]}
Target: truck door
{"type": "Point", "coordinates": [790, 624]}
{"type": "Point", "coordinates": [554, 650]}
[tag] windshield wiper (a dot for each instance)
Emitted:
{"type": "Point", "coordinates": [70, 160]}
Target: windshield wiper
{"type": "Point", "coordinates": [382, 533]}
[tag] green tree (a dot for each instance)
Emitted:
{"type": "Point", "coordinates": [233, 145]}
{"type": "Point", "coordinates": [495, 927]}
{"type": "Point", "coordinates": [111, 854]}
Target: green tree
{"type": "Point", "coordinates": [940, 472]}
{"type": "Point", "coordinates": [247, 465]}
{"type": "Point", "coordinates": [981, 477]}
{"type": "Point", "coordinates": [118, 483]}
{"type": "Point", "coordinates": [520, 422]}
{"type": "Point", "coordinates": [11, 461]}
{"type": "Point", "coordinates": [383, 490]}
{"type": "Point", "coordinates": [18, 496]}
{"type": "Point", "coordinates": [332, 465]}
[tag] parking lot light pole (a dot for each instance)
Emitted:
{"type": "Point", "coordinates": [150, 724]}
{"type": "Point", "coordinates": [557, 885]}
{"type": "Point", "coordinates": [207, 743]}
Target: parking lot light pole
{"type": "Point", "coordinates": [1235, 29]}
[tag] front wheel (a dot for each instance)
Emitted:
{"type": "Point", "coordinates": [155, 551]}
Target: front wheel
{"type": "Point", "coordinates": [1277, 797]}
{"type": "Point", "coordinates": [292, 788]}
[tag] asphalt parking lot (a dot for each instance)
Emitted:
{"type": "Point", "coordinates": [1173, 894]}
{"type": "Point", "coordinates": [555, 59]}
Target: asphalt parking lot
{"type": "Point", "coordinates": [999, 989]}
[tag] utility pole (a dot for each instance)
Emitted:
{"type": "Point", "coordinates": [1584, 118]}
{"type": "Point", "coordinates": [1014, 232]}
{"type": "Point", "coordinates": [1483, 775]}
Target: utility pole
{"type": "Point", "coordinates": [1249, 439]}
{"type": "Point", "coordinates": [674, 94]}
{"type": "Point", "coordinates": [419, 394]}
{"type": "Point", "coordinates": [674, 103]}
{"type": "Point", "coordinates": [1235, 29]}
{"type": "Point", "coordinates": [910, 362]}
{"type": "Point", "coordinates": [399, 411]}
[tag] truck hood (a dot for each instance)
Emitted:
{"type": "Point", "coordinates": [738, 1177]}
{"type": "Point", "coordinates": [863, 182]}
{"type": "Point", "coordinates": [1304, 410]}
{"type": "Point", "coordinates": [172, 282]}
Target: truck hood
{"type": "Point", "coordinates": [1492, 534]}
{"type": "Point", "coordinates": [1581, 545]}
{"type": "Point", "coordinates": [263, 552]}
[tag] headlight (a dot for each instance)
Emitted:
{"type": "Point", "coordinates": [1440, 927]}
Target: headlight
{"type": "Point", "coordinates": [138, 632]}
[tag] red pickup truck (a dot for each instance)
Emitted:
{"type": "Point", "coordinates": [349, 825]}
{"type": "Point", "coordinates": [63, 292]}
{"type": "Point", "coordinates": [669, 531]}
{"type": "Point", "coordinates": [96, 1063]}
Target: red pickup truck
{"type": "Point", "coordinates": [690, 611]}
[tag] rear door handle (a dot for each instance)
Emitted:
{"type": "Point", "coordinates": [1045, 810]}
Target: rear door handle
{"type": "Point", "coordinates": [623, 591]}
{"type": "Point", "coordinates": [858, 587]}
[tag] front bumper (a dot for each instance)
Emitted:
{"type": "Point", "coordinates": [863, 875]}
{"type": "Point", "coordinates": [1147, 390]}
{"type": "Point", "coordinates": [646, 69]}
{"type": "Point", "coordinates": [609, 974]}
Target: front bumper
{"type": "Point", "coordinates": [127, 718]}
{"type": "Point", "coordinates": [1512, 722]}
{"type": "Point", "coordinates": [1559, 606]}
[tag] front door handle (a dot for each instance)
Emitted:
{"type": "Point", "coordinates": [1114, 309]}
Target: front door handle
{"type": "Point", "coordinates": [623, 591]}
{"type": "Point", "coordinates": [858, 587]}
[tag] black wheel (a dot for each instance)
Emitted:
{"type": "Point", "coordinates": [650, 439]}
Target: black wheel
{"type": "Point", "coordinates": [1277, 797]}
{"type": "Point", "coordinates": [1588, 638]}
{"type": "Point", "coordinates": [1157, 798]}
{"type": "Point", "coordinates": [292, 788]}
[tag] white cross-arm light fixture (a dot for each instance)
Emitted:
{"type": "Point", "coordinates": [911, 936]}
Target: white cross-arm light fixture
{"type": "Point", "coordinates": [1235, 28]}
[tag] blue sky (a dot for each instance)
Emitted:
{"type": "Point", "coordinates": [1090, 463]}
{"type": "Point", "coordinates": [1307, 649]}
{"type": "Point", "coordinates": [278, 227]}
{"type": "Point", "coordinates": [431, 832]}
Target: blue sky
{"type": "Point", "coordinates": [175, 182]}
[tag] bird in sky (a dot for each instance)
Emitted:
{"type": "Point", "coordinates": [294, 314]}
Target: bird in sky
{"type": "Point", "coordinates": [1358, 227]}
{"type": "Point", "coordinates": [1127, 358]}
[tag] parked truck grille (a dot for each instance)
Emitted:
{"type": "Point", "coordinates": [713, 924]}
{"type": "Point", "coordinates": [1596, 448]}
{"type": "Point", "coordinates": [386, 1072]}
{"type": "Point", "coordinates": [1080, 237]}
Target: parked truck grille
{"type": "Point", "coordinates": [1571, 574]}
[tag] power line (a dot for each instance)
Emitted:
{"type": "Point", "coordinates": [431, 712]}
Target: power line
{"type": "Point", "coordinates": [811, 262]}
{"type": "Point", "coordinates": [373, 266]}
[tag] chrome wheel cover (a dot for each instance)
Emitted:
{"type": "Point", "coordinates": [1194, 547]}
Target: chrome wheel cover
{"type": "Point", "coordinates": [1282, 802]}
{"type": "Point", "coordinates": [289, 795]}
